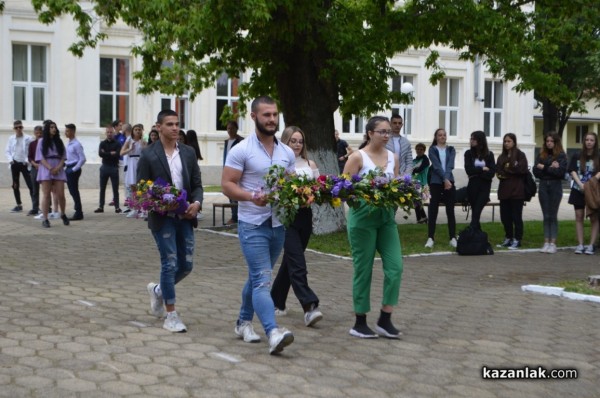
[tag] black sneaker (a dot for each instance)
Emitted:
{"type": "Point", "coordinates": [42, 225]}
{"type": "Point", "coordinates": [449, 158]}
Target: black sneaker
{"type": "Point", "coordinates": [388, 331]}
{"type": "Point", "coordinates": [32, 212]}
{"type": "Point", "coordinates": [118, 210]}
{"type": "Point", "coordinates": [363, 331]}
{"type": "Point", "coordinates": [17, 209]}
{"type": "Point", "coordinates": [46, 224]}
{"type": "Point", "coordinates": [65, 219]}
{"type": "Point", "coordinates": [99, 210]}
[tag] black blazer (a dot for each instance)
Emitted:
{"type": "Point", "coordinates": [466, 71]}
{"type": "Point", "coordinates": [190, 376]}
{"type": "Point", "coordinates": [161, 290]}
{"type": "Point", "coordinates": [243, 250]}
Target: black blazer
{"type": "Point", "coordinates": [153, 164]}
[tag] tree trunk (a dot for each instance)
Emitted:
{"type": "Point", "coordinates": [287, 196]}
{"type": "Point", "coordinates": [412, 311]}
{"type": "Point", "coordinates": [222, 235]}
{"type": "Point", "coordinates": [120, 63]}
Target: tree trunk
{"type": "Point", "coordinates": [309, 103]}
{"type": "Point", "coordinates": [550, 114]}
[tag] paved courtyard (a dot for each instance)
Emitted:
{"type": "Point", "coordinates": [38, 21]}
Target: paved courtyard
{"type": "Point", "coordinates": [75, 321]}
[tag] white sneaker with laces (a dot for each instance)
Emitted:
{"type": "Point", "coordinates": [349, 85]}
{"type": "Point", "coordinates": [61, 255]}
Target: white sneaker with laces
{"type": "Point", "coordinates": [245, 331]}
{"type": "Point", "coordinates": [173, 323]}
{"type": "Point", "coordinates": [589, 250]}
{"type": "Point", "coordinates": [278, 339]}
{"type": "Point", "coordinates": [279, 312]}
{"type": "Point", "coordinates": [55, 215]}
{"type": "Point", "coordinates": [429, 243]}
{"type": "Point", "coordinates": [545, 248]}
{"type": "Point", "coordinates": [312, 317]}
{"type": "Point", "coordinates": [132, 214]}
{"type": "Point", "coordinates": [579, 249]}
{"type": "Point", "coordinates": [40, 216]}
{"type": "Point", "coordinates": [156, 302]}
{"type": "Point", "coordinates": [551, 248]}
{"type": "Point", "coordinates": [453, 242]}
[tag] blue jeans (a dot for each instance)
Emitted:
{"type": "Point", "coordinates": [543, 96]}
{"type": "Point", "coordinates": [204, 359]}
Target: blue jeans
{"type": "Point", "coordinates": [261, 246]}
{"type": "Point", "coordinates": [175, 242]}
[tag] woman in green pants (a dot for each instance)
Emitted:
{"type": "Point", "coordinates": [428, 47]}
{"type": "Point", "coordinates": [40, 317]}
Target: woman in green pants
{"type": "Point", "coordinates": [373, 228]}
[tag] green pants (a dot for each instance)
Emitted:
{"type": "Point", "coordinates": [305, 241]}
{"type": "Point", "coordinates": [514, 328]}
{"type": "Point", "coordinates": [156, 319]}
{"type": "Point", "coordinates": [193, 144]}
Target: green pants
{"type": "Point", "coordinates": [370, 229]}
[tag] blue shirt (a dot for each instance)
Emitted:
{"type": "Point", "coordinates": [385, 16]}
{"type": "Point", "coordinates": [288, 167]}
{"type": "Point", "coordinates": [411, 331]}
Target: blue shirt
{"type": "Point", "coordinates": [75, 155]}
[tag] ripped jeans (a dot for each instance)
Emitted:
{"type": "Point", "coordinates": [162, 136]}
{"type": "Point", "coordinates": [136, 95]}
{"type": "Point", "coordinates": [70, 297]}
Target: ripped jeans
{"type": "Point", "coordinates": [175, 242]}
{"type": "Point", "coordinates": [261, 246]}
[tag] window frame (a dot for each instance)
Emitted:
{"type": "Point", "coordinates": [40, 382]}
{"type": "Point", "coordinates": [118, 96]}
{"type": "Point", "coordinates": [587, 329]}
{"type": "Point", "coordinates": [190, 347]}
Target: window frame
{"type": "Point", "coordinates": [407, 111]}
{"type": "Point", "coordinates": [490, 107]}
{"type": "Point", "coordinates": [448, 109]}
{"type": "Point", "coordinates": [28, 112]}
{"type": "Point", "coordinates": [115, 94]}
{"type": "Point", "coordinates": [231, 99]}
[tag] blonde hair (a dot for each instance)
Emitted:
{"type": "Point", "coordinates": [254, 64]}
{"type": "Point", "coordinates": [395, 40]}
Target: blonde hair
{"type": "Point", "coordinates": [286, 136]}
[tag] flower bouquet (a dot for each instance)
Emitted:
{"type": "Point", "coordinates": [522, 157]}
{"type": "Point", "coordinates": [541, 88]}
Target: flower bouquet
{"type": "Point", "coordinates": [287, 192]}
{"type": "Point", "coordinates": [158, 196]}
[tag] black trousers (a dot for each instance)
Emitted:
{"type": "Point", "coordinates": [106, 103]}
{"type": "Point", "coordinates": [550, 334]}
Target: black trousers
{"type": "Point", "coordinates": [16, 169]}
{"type": "Point", "coordinates": [73, 185]}
{"type": "Point", "coordinates": [439, 195]}
{"type": "Point", "coordinates": [292, 271]}
{"type": "Point", "coordinates": [511, 215]}
{"type": "Point", "coordinates": [111, 172]}
{"type": "Point", "coordinates": [479, 194]}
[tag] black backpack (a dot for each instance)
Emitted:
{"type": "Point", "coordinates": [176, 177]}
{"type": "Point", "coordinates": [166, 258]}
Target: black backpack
{"type": "Point", "coordinates": [473, 242]}
{"type": "Point", "coordinates": [530, 186]}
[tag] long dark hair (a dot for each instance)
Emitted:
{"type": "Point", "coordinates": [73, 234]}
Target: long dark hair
{"type": "Point", "coordinates": [481, 149]}
{"type": "Point", "coordinates": [434, 142]}
{"type": "Point", "coordinates": [558, 149]}
{"type": "Point", "coordinates": [594, 157]}
{"type": "Point", "coordinates": [372, 124]}
{"type": "Point", "coordinates": [50, 141]}
{"type": "Point", "coordinates": [192, 140]}
{"type": "Point", "coordinates": [512, 153]}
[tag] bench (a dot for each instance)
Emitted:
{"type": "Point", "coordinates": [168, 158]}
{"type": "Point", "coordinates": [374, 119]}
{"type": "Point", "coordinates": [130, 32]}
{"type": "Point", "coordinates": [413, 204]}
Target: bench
{"type": "Point", "coordinates": [223, 206]}
{"type": "Point", "coordinates": [491, 204]}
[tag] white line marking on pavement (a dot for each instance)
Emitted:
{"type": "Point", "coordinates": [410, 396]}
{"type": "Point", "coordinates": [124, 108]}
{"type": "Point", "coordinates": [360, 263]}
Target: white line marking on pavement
{"type": "Point", "coordinates": [226, 357]}
{"type": "Point", "coordinates": [138, 324]}
{"type": "Point", "coordinates": [86, 303]}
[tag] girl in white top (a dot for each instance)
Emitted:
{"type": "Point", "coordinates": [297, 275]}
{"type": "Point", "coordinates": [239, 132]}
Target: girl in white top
{"type": "Point", "coordinates": [133, 149]}
{"type": "Point", "coordinates": [374, 228]}
{"type": "Point", "coordinates": [293, 271]}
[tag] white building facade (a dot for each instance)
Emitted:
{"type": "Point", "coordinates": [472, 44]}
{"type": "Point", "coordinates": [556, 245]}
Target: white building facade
{"type": "Point", "coordinates": [42, 80]}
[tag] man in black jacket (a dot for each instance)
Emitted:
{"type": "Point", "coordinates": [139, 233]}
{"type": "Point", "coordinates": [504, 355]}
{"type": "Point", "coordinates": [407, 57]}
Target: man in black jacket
{"type": "Point", "coordinates": [109, 150]}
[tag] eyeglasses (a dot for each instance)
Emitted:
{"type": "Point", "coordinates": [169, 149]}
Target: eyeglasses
{"type": "Point", "coordinates": [383, 132]}
{"type": "Point", "coordinates": [301, 142]}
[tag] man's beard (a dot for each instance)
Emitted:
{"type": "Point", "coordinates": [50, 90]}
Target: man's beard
{"type": "Point", "coordinates": [263, 130]}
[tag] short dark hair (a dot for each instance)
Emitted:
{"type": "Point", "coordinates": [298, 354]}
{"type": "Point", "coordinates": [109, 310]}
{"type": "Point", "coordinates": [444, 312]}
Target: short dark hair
{"type": "Point", "coordinates": [71, 126]}
{"type": "Point", "coordinates": [164, 113]}
{"type": "Point", "coordinates": [396, 116]}
{"type": "Point", "coordinates": [233, 123]}
{"type": "Point", "coordinates": [420, 145]}
{"type": "Point", "coordinates": [17, 123]}
{"type": "Point", "coordinates": [263, 99]}
{"type": "Point", "coordinates": [115, 123]}
{"type": "Point", "coordinates": [38, 127]}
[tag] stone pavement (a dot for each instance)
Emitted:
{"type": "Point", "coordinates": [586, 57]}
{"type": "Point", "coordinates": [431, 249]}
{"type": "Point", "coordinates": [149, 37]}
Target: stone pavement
{"type": "Point", "coordinates": [75, 322]}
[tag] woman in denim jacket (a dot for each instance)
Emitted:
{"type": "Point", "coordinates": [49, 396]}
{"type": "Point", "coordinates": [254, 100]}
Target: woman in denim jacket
{"type": "Point", "coordinates": [441, 185]}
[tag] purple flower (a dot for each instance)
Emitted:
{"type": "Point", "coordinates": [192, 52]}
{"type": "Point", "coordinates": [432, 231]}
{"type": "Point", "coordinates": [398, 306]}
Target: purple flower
{"type": "Point", "coordinates": [168, 197]}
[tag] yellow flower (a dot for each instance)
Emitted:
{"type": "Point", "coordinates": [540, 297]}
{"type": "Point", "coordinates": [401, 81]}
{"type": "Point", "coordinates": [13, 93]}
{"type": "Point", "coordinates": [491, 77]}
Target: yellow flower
{"type": "Point", "coordinates": [139, 193]}
{"type": "Point", "coordinates": [336, 202]}
{"type": "Point", "coordinates": [402, 200]}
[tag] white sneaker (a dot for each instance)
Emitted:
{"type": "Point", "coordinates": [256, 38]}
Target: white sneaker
{"type": "Point", "coordinates": [429, 243]}
{"type": "Point", "coordinates": [278, 339]}
{"type": "Point", "coordinates": [156, 302]}
{"type": "Point", "coordinates": [579, 249]}
{"type": "Point", "coordinates": [551, 248]}
{"type": "Point", "coordinates": [55, 215]}
{"type": "Point", "coordinates": [173, 323]}
{"type": "Point", "coordinates": [589, 250]}
{"type": "Point", "coordinates": [279, 312]}
{"type": "Point", "coordinates": [312, 317]}
{"type": "Point", "coordinates": [453, 242]}
{"type": "Point", "coordinates": [132, 214]}
{"type": "Point", "coordinates": [39, 216]}
{"type": "Point", "coordinates": [545, 248]}
{"type": "Point", "coordinates": [199, 216]}
{"type": "Point", "coordinates": [245, 331]}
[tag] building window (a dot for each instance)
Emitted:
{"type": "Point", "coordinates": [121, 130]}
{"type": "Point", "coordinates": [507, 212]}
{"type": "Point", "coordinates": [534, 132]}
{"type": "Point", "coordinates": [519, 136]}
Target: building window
{"type": "Point", "coordinates": [114, 90]}
{"type": "Point", "coordinates": [580, 132]}
{"type": "Point", "coordinates": [227, 95]}
{"type": "Point", "coordinates": [492, 108]}
{"type": "Point", "coordinates": [404, 110]}
{"type": "Point", "coordinates": [30, 82]}
{"type": "Point", "coordinates": [354, 125]}
{"type": "Point", "coordinates": [449, 105]}
{"type": "Point", "coordinates": [179, 105]}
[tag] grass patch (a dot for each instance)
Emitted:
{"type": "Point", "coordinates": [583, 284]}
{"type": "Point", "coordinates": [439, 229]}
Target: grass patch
{"type": "Point", "coordinates": [577, 286]}
{"type": "Point", "coordinates": [212, 188]}
{"type": "Point", "coordinates": [414, 236]}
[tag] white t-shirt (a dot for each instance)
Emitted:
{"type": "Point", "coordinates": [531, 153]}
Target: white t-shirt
{"type": "Point", "coordinates": [253, 160]}
{"type": "Point", "coordinates": [369, 165]}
